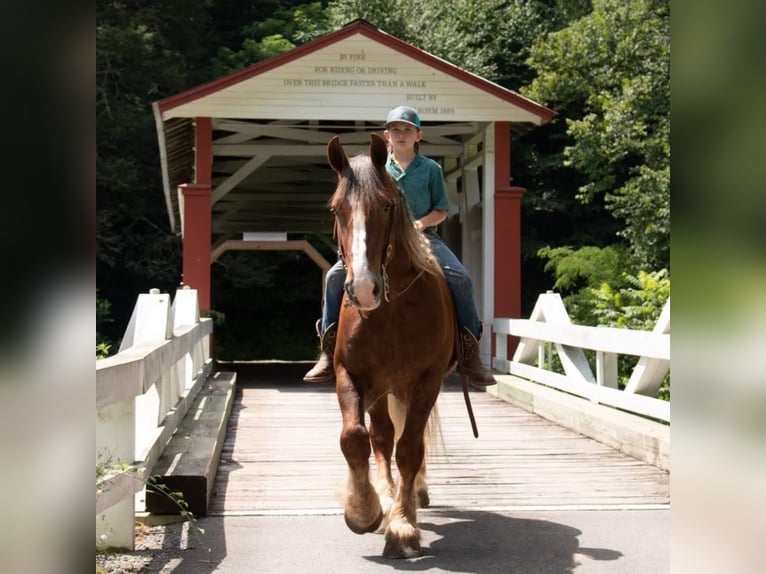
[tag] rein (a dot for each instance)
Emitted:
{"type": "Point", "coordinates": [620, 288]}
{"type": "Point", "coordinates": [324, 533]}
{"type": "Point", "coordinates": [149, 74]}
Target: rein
{"type": "Point", "coordinates": [464, 380]}
{"type": "Point", "coordinates": [386, 293]}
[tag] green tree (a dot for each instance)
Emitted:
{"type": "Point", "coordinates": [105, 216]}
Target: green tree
{"type": "Point", "coordinates": [579, 271]}
{"type": "Point", "coordinates": [389, 15]}
{"type": "Point", "coordinates": [103, 317]}
{"type": "Point", "coordinates": [471, 34]}
{"type": "Point", "coordinates": [137, 62]}
{"type": "Point", "coordinates": [607, 74]}
{"type": "Point", "coordinates": [284, 28]}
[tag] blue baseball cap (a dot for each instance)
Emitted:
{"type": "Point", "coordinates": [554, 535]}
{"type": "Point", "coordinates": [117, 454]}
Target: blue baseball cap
{"type": "Point", "coordinates": [404, 114]}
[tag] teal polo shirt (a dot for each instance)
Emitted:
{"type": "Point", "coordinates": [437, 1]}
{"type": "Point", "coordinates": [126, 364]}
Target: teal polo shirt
{"type": "Point", "coordinates": [422, 185]}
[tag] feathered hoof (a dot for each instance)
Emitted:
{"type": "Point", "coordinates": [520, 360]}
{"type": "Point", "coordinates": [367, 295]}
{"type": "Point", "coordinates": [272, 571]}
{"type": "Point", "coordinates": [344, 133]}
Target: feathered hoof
{"type": "Point", "coordinates": [401, 548]}
{"type": "Point", "coordinates": [357, 529]}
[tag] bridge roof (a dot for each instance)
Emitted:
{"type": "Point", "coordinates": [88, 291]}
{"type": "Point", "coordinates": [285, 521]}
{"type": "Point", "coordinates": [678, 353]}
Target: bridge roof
{"type": "Point", "coordinates": [271, 122]}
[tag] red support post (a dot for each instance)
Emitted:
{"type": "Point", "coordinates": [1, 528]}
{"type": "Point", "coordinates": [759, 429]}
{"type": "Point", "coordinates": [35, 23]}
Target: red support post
{"type": "Point", "coordinates": [197, 215]}
{"type": "Point", "coordinates": [203, 151]}
{"type": "Point", "coordinates": [196, 240]}
{"type": "Point", "coordinates": [507, 233]}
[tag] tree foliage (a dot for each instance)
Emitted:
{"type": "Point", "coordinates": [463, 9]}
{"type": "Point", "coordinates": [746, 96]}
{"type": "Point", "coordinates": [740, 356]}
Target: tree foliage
{"type": "Point", "coordinates": [607, 74]}
{"type": "Point", "coordinates": [137, 61]}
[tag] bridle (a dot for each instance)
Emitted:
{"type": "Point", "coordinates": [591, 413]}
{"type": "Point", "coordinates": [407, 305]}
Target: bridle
{"type": "Point", "coordinates": [387, 256]}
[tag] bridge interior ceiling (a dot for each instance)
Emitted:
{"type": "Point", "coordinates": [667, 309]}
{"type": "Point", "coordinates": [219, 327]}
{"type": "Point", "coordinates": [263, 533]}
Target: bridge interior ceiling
{"type": "Point", "coordinates": [273, 175]}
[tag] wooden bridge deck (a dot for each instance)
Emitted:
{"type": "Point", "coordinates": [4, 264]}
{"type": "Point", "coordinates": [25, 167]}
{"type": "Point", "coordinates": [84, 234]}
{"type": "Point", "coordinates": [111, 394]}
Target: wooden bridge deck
{"type": "Point", "coordinates": [281, 455]}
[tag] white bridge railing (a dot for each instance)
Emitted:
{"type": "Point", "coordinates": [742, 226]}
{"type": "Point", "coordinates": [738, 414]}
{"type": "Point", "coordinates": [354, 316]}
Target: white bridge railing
{"type": "Point", "coordinates": [142, 394]}
{"type": "Point", "coordinates": [549, 327]}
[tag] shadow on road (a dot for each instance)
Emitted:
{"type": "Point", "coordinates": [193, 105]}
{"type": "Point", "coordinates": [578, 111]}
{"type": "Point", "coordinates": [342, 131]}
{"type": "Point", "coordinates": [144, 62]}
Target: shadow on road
{"type": "Point", "coordinates": [484, 542]}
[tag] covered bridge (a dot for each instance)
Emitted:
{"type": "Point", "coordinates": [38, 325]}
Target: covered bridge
{"type": "Point", "coordinates": [244, 165]}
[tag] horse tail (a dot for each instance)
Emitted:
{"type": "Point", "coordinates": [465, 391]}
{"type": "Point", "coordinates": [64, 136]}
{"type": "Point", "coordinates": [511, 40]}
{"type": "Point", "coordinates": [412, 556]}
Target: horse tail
{"type": "Point", "coordinates": [397, 412]}
{"type": "Point", "coordinates": [432, 437]}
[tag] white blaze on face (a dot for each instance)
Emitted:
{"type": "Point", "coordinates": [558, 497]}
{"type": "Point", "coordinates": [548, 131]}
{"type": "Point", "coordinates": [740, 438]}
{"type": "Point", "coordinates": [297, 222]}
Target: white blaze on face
{"type": "Point", "coordinates": [363, 278]}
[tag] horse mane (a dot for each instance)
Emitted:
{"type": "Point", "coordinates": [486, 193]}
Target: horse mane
{"type": "Point", "coordinates": [363, 182]}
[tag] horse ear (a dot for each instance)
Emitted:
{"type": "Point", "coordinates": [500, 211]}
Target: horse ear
{"type": "Point", "coordinates": [336, 156]}
{"type": "Point", "coordinates": [378, 150]}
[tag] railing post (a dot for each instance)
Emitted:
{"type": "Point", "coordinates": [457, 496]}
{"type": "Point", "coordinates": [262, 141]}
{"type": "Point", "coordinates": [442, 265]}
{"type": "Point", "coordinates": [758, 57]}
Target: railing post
{"type": "Point", "coordinates": [606, 369]}
{"type": "Point", "coordinates": [153, 325]}
{"type": "Point", "coordinates": [185, 312]}
{"type": "Point", "coordinates": [123, 429]}
{"type": "Point", "coordinates": [115, 431]}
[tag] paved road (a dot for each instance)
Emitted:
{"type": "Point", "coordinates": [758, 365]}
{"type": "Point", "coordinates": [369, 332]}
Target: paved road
{"type": "Point", "coordinates": [524, 542]}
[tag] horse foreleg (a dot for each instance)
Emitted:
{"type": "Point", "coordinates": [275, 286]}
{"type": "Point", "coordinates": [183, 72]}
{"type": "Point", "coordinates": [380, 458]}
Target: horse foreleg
{"type": "Point", "coordinates": [362, 510]}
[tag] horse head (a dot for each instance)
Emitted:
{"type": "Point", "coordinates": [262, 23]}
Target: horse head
{"type": "Point", "coordinates": [364, 205]}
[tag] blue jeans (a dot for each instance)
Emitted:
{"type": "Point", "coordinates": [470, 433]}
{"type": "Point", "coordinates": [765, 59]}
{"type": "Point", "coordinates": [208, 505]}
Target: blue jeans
{"type": "Point", "coordinates": [459, 283]}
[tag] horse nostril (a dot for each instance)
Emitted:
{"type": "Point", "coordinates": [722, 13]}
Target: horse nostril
{"type": "Point", "coordinates": [376, 290]}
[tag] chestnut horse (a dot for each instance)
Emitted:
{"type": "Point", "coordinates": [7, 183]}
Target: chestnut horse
{"type": "Point", "coordinates": [395, 344]}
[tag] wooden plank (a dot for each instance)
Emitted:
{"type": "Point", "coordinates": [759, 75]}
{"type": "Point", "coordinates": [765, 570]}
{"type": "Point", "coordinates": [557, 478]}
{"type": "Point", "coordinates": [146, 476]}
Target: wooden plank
{"type": "Point", "coordinates": [282, 455]}
{"type": "Point", "coordinates": [638, 437]}
{"type": "Point", "coordinates": [190, 461]}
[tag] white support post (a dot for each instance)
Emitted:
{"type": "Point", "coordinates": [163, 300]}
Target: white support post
{"type": "Point", "coordinates": [185, 308]}
{"type": "Point", "coordinates": [486, 302]}
{"type": "Point", "coordinates": [606, 369]}
{"type": "Point", "coordinates": [185, 312]}
{"type": "Point", "coordinates": [500, 360]}
{"type": "Point", "coordinates": [118, 426]}
{"type": "Point", "coordinates": [550, 309]}
{"type": "Point", "coordinates": [115, 444]}
{"type": "Point", "coordinates": [153, 325]}
{"type": "Point", "coordinates": [649, 372]}
{"type": "Point", "coordinates": [527, 349]}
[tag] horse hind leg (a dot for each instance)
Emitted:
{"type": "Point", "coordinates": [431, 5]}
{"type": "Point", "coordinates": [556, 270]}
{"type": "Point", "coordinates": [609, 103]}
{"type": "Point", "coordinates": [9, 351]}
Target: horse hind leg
{"type": "Point", "coordinates": [421, 487]}
{"type": "Point", "coordinates": [397, 412]}
{"type": "Point", "coordinates": [432, 439]}
{"type": "Point", "coordinates": [402, 533]}
{"type": "Point", "coordinates": [382, 433]}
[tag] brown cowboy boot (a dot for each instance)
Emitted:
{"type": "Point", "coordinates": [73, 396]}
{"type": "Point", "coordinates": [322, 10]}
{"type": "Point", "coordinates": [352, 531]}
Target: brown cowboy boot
{"type": "Point", "coordinates": [478, 373]}
{"type": "Point", "coordinates": [324, 369]}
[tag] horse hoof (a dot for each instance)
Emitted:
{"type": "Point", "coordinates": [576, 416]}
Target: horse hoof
{"type": "Point", "coordinates": [356, 529]}
{"type": "Point", "coordinates": [399, 549]}
{"type": "Point", "coordinates": [424, 501]}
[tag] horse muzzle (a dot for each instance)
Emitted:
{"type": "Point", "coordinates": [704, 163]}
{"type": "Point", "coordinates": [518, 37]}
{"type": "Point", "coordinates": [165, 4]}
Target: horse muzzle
{"type": "Point", "coordinates": [364, 292]}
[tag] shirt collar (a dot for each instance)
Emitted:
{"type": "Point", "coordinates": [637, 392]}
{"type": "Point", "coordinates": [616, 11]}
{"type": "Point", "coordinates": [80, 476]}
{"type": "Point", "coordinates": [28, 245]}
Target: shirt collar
{"type": "Point", "coordinates": [395, 170]}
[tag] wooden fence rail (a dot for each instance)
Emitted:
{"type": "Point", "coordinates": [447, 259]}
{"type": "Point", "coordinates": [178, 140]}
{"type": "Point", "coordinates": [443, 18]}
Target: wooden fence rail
{"type": "Point", "coordinates": [142, 394]}
{"type": "Point", "coordinates": [549, 328]}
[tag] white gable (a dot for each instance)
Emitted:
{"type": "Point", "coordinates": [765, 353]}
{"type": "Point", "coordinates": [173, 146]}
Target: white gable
{"type": "Point", "coordinates": [356, 78]}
